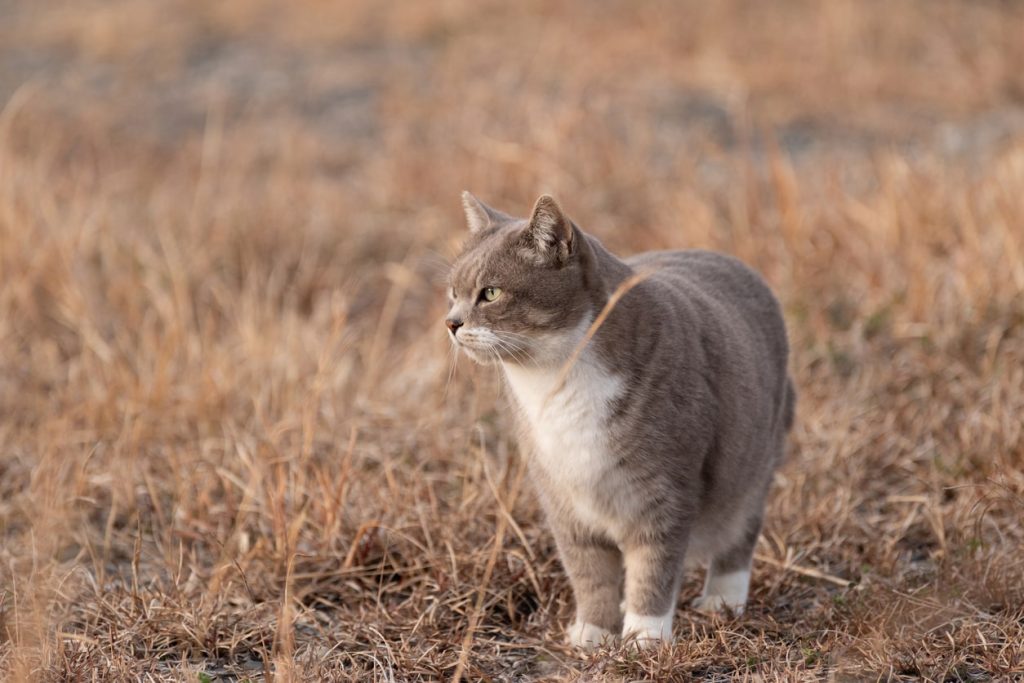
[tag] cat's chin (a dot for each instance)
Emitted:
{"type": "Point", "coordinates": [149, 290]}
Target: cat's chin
{"type": "Point", "coordinates": [479, 357]}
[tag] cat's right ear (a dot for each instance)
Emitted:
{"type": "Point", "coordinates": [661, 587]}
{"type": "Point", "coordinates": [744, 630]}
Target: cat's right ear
{"type": "Point", "coordinates": [479, 216]}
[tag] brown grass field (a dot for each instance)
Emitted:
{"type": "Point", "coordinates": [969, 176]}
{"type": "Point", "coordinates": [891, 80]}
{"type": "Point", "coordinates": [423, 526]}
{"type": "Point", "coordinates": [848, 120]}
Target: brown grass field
{"type": "Point", "coordinates": [233, 445]}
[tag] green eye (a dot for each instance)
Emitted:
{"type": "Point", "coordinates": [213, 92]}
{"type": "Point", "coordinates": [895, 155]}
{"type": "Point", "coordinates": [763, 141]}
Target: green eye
{"type": "Point", "coordinates": [490, 293]}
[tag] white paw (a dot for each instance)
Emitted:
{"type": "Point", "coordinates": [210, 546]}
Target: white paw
{"type": "Point", "coordinates": [717, 604]}
{"type": "Point", "coordinates": [724, 592]}
{"type": "Point", "coordinates": [588, 636]}
{"type": "Point", "coordinates": [647, 631]}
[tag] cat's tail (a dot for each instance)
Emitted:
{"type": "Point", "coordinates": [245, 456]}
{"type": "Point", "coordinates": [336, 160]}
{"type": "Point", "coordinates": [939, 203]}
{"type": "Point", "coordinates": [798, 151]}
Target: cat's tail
{"type": "Point", "coordinates": [789, 405]}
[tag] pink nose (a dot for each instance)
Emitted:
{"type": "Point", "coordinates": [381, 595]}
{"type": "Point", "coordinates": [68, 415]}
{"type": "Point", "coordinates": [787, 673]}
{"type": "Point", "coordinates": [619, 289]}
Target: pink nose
{"type": "Point", "coordinates": [453, 325]}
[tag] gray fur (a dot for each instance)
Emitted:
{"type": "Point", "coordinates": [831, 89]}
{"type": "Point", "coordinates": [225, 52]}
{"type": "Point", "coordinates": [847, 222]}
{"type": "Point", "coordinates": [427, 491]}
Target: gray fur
{"type": "Point", "coordinates": [691, 424]}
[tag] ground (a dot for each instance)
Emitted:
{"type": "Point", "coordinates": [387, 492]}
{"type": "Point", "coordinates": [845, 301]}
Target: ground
{"type": "Point", "coordinates": [233, 443]}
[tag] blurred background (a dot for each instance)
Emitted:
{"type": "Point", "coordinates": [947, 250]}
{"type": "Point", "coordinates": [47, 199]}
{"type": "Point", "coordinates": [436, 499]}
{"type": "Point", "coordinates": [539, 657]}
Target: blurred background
{"type": "Point", "coordinates": [234, 443]}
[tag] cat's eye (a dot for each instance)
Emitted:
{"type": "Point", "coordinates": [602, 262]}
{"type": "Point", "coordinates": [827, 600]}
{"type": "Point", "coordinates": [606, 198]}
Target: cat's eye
{"type": "Point", "coordinates": [490, 293]}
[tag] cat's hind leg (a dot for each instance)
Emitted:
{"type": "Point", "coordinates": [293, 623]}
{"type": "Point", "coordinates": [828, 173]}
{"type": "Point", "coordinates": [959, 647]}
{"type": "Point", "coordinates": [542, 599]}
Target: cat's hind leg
{"type": "Point", "coordinates": [728, 577]}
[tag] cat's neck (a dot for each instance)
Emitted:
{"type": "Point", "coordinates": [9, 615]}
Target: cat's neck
{"type": "Point", "coordinates": [557, 353]}
{"type": "Point", "coordinates": [603, 270]}
{"type": "Point", "coordinates": [550, 389]}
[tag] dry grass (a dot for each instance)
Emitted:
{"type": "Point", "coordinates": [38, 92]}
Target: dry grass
{"type": "Point", "coordinates": [229, 444]}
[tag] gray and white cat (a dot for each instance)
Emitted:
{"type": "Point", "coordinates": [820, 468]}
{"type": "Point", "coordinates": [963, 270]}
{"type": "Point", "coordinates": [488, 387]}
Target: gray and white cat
{"type": "Point", "coordinates": [659, 443]}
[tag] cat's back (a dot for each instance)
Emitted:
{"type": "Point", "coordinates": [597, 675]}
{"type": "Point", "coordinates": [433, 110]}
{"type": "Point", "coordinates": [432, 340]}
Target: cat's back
{"type": "Point", "coordinates": [718, 285]}
{"type": "Point", "coordinates": [717, 275]}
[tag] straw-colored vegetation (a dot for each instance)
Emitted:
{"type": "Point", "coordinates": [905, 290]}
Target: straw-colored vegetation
{"type": "Point", "coordinates": [230, 441]}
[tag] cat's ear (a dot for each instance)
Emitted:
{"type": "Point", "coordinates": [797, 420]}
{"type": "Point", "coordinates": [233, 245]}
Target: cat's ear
{"type": "Point", "coordinates": [550, 233]}
{"type": "Point", "coordinates": [479, 216]}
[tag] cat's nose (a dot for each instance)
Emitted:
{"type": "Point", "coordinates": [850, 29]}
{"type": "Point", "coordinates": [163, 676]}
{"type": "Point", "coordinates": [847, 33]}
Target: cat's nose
{"type": "Point", "coordinates": [453, 324]}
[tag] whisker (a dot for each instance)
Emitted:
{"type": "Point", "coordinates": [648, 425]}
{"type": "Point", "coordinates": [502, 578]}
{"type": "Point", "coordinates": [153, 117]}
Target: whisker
{"type": "Point", "coordinates": [453, 363]}
{"type": "Point", "coordinates": [507, 346]}
{"type": "Point", "coordinates": [522, 354]}
{"type": "Point", "coordinates": [517, 335]}
{"type": "Point", "coordinates": [512, 337]}
{"type": "Point", "coordinates": [496, 344]}
{"type": "Point", "coordinates": [528, 356]}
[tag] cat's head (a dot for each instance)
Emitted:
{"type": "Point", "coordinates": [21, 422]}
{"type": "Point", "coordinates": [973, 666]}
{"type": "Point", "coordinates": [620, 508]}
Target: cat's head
{"type": "Point", "coordinates": [518, 291]}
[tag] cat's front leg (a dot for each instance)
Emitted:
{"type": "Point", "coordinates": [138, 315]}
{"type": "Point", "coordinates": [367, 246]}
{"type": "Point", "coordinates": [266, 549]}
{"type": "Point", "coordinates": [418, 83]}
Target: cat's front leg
{"type": "Point", "coordinates": [594, 566]}
{"type": "Point", "coordinates": [653, 571]}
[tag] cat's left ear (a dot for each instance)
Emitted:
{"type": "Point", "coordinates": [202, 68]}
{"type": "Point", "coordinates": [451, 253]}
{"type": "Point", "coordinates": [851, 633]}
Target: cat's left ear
{"type": "Point", "coordinates": [479, 216]}
{"type": "Point", "coordinates": [550, 234]}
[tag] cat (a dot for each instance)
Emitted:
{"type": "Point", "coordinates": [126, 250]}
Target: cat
{"type": "Point", "coordinates": [657, 442]}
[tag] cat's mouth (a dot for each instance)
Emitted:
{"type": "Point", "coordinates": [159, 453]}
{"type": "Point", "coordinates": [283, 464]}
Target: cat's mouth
{"type": "Point", "coordinates": [476, 345]}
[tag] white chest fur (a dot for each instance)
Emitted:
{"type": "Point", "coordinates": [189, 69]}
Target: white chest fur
{"type": "Point", "coordinates": [569, 426]}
